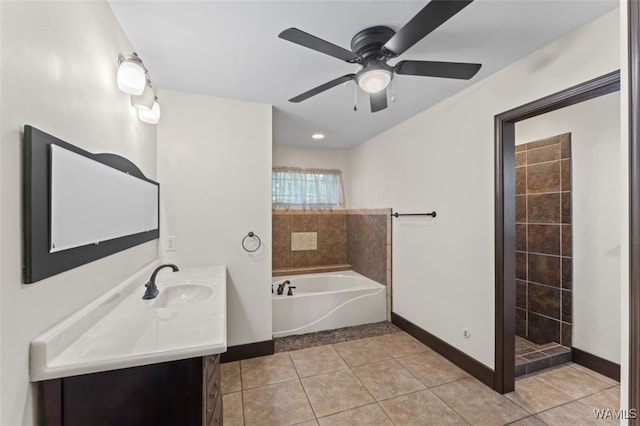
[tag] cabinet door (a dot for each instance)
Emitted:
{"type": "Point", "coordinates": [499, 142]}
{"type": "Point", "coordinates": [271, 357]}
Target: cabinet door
{"type": "Point", "coordinates": [159, 394]}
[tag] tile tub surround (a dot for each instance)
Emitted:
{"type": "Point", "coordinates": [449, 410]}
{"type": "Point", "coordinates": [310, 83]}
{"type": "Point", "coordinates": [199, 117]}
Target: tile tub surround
{"type": "Point", "coordinates": [331, 227]}
{"type": "Point", "coordinates": [369, 243]}
{"type": "Point", "coordinates": [355, 239]}
{"type": "Point", "coordinates": [409, 385]}
{"type": "Point", "coordinates": [544, 278]}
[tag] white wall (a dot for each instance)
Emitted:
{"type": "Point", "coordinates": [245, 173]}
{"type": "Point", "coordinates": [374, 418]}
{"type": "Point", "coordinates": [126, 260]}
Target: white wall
{"type": "Point", "coordinates": [297, 156]}
{"type": "Point", "coordinates": [442, 159]}
{"type": "Point", "coordinates": [59, 61]}
{"type": "Point", "coordinates": [595, 152]}
{"type": "Point", "coordinates": [214, 165]}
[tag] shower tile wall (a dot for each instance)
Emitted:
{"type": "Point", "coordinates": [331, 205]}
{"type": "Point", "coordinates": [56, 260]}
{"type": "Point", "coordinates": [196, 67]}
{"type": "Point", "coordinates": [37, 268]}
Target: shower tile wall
{"type": "Point", "coordinates": [543, 240]}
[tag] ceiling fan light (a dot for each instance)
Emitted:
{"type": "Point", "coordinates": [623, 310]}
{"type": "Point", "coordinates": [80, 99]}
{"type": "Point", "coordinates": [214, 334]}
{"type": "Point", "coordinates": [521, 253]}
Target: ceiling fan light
{"type": "Point", "coordinates": [145, 100]}
{"type": "Point", "coordinates": [375, 80]}
{"type": "Point", "coordinates": [151, 116]}
{"type": "Point", "coordinates": [131, 77]}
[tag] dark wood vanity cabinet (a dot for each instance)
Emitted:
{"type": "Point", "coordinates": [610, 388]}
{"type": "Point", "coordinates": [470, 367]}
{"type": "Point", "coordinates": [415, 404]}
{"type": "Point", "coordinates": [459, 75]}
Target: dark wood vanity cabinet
{"type": "Point", "coordinates": [185, 392]}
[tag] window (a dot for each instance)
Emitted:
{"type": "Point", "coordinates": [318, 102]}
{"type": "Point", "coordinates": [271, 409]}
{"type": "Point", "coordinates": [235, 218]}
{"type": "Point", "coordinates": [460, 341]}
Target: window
{"type": "Point", "coordinates": [291, 186]}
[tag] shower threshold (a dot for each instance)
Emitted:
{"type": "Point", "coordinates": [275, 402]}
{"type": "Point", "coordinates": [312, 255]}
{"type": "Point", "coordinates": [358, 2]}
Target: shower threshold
{"type": "Point", "coordinates": [531, 357]}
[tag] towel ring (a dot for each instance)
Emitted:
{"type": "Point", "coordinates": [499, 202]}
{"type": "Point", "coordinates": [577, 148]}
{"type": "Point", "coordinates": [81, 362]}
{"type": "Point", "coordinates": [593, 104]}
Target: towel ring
{"type": "Point", "coordinates": [251, 235]}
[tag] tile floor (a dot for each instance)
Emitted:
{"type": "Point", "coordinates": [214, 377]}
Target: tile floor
{"type": "Point", "coordinates": [394, 379]}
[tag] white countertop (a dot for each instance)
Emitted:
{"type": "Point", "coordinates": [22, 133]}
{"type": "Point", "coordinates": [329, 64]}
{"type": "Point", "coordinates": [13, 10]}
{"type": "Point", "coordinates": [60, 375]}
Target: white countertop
{"type": "Point", "coordinates": [121, 330]}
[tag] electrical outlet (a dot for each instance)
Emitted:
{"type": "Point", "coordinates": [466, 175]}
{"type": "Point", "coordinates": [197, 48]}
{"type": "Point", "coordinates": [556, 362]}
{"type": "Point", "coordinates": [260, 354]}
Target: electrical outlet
{"type": "Point", "coordinates": [466, 333]}
{"type": "Point", "coordinates": [170, 243]}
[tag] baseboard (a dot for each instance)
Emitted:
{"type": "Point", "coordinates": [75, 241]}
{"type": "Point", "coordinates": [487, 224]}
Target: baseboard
{"type": "Point", "coordinates": [597, 364]}
{"type": "Point", "coordinates": [456, 356]}
{"type": "Point", "coordinates": [249, 350]}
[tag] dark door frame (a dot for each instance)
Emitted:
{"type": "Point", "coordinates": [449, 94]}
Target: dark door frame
{"type": "Point", "coordinates": [634, 207]}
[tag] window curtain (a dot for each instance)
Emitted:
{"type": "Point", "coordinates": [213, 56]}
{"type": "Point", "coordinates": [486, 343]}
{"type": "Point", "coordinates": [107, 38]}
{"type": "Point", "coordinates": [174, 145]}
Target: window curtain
{"type": "Point", "coordinates": [293, 186]}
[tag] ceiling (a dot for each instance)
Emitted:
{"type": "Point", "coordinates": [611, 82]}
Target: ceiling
{"type": "Point", "coordinates": [231, 49]}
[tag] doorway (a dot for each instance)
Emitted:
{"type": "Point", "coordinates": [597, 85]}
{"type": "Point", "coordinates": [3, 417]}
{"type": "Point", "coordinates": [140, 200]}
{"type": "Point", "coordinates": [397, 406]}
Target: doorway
{"type": "Point", "coordinates": [505, 210]}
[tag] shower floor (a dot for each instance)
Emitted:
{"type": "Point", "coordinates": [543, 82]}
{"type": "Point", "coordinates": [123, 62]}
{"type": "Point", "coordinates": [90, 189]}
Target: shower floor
{"type": "Point", "coordinates": [531, 357]}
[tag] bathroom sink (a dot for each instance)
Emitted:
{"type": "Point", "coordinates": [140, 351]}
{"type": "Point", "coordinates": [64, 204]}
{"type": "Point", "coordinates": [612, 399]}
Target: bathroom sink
{"type": "Point", "coordinates": [182, 294]}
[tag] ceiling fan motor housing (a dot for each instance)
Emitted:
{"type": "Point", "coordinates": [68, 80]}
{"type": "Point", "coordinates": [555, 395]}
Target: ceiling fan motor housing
{"type": "Point", "coordinates": [369, 42]}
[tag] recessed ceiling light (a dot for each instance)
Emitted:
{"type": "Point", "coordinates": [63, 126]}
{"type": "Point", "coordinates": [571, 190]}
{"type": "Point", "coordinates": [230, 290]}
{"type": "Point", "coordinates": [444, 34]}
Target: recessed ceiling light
{"type": "Point", "coordinates": [317, 136]}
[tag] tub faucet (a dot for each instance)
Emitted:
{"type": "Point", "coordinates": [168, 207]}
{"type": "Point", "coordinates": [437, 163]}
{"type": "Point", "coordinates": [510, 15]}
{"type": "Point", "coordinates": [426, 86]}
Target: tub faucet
{"type": "Point", "coordinates": [281, 287]}
{"type": "Point", "coordinates": [290, 292]}
{"type": "Point", "coordinates": [152, 289]}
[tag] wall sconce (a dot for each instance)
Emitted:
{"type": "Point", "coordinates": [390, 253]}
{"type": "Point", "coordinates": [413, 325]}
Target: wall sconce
{"type": "Point", "coordinates": [133, 79]}
{"type": "Point", "coordinates": [132, 75]}
{"type": "Point", "coordinates": [151, 116]}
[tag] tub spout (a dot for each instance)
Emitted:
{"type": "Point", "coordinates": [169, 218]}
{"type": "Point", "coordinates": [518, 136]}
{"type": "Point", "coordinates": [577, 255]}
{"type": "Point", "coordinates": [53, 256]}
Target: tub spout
{"type": "Point", "coordinates": [282, 286]}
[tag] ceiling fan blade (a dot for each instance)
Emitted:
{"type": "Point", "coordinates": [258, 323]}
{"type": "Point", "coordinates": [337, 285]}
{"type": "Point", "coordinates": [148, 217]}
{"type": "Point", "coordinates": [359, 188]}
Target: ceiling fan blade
{"type": "Point", "coordinates": [458, 70]}
{"type": "Point", "coordinates": [326, 86]}
{"type": "Point", "coordinates": [434, 14]}
{"type": "Point", "coordinates": [378, 100]}
{"type": "Point", "coordinates": [297, 36]}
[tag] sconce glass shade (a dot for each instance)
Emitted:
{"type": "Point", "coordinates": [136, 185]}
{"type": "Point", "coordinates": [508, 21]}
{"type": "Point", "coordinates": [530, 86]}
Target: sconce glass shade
{"type": "Point", "coordinates": [145, 100]}
{"type": "Point", "coordinates": [151, 116]}
{"type": "Point", "coordinates": [131, 77]}
{"type": "Point", "coordinates": [375, 80]}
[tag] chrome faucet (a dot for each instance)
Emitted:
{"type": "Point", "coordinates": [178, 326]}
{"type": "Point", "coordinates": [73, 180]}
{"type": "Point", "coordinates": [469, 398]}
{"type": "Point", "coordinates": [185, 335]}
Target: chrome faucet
{"type": "Point", "coordinates": [152, 290]}
{"type": "Point", "coordinates": [281, 287]}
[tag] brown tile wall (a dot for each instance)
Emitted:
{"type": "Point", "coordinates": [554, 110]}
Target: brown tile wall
{"type": "Point", "coordinates": [367, 245]}
{"type": "Point", "coordinates": [332, 238]}
{"type": "Point", "coordinates": [543, 240]}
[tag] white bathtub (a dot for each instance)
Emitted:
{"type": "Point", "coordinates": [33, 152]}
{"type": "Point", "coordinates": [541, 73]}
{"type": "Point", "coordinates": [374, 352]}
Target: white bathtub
{"type": "Point", "coordinates": [327, 301]}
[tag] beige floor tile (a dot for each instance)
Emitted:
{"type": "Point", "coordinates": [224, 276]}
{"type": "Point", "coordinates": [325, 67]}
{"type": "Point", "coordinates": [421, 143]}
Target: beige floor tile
{"type": "Point", "coordinates": [400, 344]}
{"type": "Point", "coordinates": [230, 377]}
{"type": "Point", "coordinates": [573, 413]}
{"type": "Point", "coordinates": [594, 374]}
{"type": "Point", "coordinates": [308, 423]}
{"type": "Point", "coordinates": [331, 393]}
{"type": "Point", "coordinates": [609, 398]}
{"type": "Point", "coordinates": [420, 408]}
{"type": "Point", "coordinates": [387, 379]}
{"type": "Point", "coordinates": [528, 421]}
{"type": "Point", "coordinates": [359, 352]}
{"type": "Point", "coordinates": [370, 414]}
{"type": "Point", "coordinates": [279, 404]}
{"type": "Point", "coordinates": [535, 395]}
{"type": "Point", "coordinates": [318, 360]}
{"type": "Point", "coordinates": [478, 404]}
{"type": "Point", "coordinates": [232, 409]}
{"type": "Point", "coordinates": [267, 370]}
{"type": "Point", "coordinates": [572, 382]}
{"type": "Point", "coordinates": [432, 369]}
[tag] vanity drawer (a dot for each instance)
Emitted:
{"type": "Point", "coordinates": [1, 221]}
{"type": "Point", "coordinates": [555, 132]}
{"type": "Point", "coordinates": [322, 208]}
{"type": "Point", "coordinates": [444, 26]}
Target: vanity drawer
{"type": "Point", "coordinates": [211, 363]}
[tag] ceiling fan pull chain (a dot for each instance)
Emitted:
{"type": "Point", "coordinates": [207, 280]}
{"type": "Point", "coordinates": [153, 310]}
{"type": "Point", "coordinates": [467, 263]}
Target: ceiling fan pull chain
{"type": "Point", "coordinates": [355, 97]}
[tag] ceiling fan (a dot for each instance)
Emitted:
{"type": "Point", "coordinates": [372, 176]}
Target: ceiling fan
{"type": "Point", "coordinates": [372, 47]}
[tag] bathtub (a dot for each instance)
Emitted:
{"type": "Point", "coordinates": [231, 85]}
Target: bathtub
{"type": "Point", "coordinates": [327, 301]}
